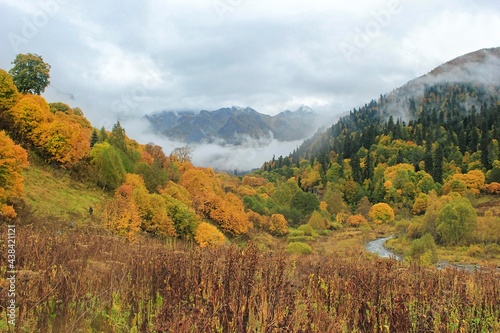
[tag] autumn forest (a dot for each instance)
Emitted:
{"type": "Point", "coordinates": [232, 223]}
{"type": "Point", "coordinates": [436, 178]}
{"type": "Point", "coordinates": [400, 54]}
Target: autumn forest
{"type": "Point", "coordinates": [117, 236]}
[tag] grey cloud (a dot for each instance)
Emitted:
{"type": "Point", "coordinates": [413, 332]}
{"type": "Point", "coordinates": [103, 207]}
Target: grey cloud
{"type": "Point", "coordinates": [268, 55]}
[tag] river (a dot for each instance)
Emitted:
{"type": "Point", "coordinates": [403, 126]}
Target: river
{"type": "Point", "coordinates": [377, 246]}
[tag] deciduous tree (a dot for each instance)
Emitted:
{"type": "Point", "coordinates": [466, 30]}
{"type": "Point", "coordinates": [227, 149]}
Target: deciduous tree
{"type": "Point", "coordinates": [8, 94]}
{"type": "Point", "coordinates": [13, 159]}
{"type": "Point", "coordinates": [108, 169]}
{"type": "Point", "coordinates": [27, 115]}
{"type": "Point", "coordinates": [381, 213]}
{"type": "Point", "coordinates": [30, 73]}
{"type": "Point", "coordinates": [356, 220]}
{"type": "Point", "coordinates": [278, 225]}
{"type": "Point", "coordinates": [207, 235]}
{"type": "Point", "coordinates": [456, 222]}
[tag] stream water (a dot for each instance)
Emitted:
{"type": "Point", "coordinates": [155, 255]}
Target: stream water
{"type": "Point", "coordinates": [377, 246]}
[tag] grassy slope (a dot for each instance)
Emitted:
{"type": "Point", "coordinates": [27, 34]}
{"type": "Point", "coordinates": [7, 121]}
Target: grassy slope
{"type": "Point", "coordinates": [52, 193]}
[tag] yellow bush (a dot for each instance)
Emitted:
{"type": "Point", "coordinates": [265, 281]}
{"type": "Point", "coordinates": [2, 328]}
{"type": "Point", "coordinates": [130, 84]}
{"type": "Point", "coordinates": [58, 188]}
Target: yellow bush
{"type": "Point", "coordinates": [208, 235]}
{"type": "Point", "coordinates": [381, 213]}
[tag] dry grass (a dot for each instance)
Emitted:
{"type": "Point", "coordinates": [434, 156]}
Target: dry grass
{"type": "Point", "coordinates": [83, 280]}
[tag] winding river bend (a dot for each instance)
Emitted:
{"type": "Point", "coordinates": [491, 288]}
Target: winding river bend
{"type": "Point", "coordinates": [377, 246]}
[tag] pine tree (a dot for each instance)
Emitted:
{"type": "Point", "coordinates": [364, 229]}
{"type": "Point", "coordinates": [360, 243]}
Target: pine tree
{"type": "Point", "coordinates": [94, 138]}
{"type": "Point", "coordinates": [428, 160]}
{"type": "Point", "coordinates": [437, 175]}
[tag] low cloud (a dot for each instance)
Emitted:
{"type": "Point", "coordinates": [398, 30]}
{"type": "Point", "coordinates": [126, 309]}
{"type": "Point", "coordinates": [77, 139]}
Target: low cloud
{"type": "Point", "coordinates": [251, 154]}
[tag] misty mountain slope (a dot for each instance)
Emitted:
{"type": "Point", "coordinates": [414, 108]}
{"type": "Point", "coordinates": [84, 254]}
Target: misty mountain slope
{"type": "Point", "coordinates": [479, 70]}
{"type": "Point", "coordinates": [232, 125]}
{"type": "Point", "coordinates": [451, 95]}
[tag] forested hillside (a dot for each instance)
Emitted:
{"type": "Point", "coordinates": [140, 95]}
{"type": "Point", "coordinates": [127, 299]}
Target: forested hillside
{"type": "Point", "coordinates": [416, 152]}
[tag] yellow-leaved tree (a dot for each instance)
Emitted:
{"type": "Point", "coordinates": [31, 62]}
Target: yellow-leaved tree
{"type": "Point", "coordinates": [13, 158]}
{"type": "Point", "coordinates": [278, 225]}
{"type": "Point", "coordinates": [134, 208]}
{"type": "Point", "coordinates": [63, 140]}
{"type": "Point", "coordinates": [121, 214]}
{"type": "Point", "coordinates": [27, 115]}
{"type": "Point", "coordinates": [381, 213]}
{"type": "Point", "coordinates": [210, 200]}
{"type": "Point", "coordinates": [8, 97]}
{"type": "Point", "coordinates": [473, 180]}
{"type": "Point", "coordinates": [208, 235]}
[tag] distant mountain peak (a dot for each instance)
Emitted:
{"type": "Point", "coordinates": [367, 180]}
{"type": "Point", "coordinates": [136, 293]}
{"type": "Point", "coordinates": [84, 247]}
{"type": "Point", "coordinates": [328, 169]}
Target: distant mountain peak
{"type": "Point", "coordinates": [231, 124]}
{"type": "Point", "coordinates": [305, 109]}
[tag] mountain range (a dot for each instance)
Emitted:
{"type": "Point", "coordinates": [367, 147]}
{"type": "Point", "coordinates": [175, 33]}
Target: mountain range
{"type": "Point", "coordinates": [233, 125]}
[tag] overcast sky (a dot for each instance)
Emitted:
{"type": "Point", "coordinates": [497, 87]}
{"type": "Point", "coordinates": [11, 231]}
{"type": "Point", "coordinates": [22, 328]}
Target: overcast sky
{"type": "Point", "coordinates": [122, 59]}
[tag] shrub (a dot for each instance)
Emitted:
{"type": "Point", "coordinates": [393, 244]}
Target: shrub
{"type": "Point", "coordinates": [476, 251]}
{"type": "Point", "coordinates": [416, 229]}
{"type": "Point", "coordinates": [381, 213]}
{"type": "Point", "coordinates": [208, 235]}
{"type": "Point", "coordinates": [278, 225]}
{"type": "Point", "coordinates": [307, 229]}
{"type": "Point", "coordinates": [318, 222]}
{"type": "Point", "coordinates": [456, 222]}
{"type": "Point", "coordinates": [299, 248]}
{"type": "Point", "coordinates": [491, 250]}
{"type": "Point", "coordinates": [336, 226]}
{"type": "Point", "coordinates": [356, 220]}
{"type": "Point", "coordinates": [295, 233]}
{"type": "Point", "coordinates": [423, 250]}
{"type": "Point", "coordinates": [401, 228]}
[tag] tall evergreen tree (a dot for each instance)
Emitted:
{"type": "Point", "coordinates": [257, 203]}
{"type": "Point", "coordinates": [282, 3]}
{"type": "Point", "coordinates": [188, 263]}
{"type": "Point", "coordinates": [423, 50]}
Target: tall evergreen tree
{"type": "Point", "coordinates": [438, 164]}
{"type": "Point", "coordinates": [357, 173]}
{"type": "Point", "coordinates": [117, 137]}
{"type": "Point", "coordinates": [428, 158]}
{"type": "Point", "coordinates": [94, 138]}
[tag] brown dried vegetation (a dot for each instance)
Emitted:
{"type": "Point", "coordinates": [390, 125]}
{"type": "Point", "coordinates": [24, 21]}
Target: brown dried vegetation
{"type": "Point", "coordinates": [86, 279]}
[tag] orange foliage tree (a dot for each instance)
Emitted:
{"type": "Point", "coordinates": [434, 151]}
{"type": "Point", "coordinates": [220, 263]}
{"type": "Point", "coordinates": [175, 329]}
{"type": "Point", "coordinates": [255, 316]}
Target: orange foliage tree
{"type": "Point", "coordinates": [63, 140]}
{"type": "Point", "coordinates": [27, 115]}
{"type": "Point", "coordinates": [492, 188]}
{"type": "Point", "coordinates": [254, 181]}
{"type": "Point", "coordinates": [209, 200]}
{"type": "Point", "coordinates": [134, 208]}
{"type": "Point", "coordinates": [63, 137]}
{"type": "Point", "coordinates": [258, 220]}
{"type": "Point", "coordinates": [13, 159]}
{"type": "Point", "coordinates": [356, 220]}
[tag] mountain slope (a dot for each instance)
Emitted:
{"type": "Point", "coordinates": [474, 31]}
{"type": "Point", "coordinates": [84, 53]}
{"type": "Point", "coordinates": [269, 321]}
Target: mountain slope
{"type": "Point", "coordinates": [232, 125]}
{"type": "Point", "coordinates": [480, 69]}
{"type": "Point", "coordinates": [446, 95]}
